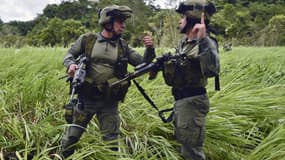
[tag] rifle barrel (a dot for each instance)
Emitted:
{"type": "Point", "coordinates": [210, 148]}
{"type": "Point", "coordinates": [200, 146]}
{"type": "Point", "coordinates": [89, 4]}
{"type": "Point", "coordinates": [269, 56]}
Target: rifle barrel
{"type": "Point", "coordinates": [144, 68]}
{"type": "Point", "coordinates": [119, 81]}
{"type": "Point", "coordinates": [135, 74]}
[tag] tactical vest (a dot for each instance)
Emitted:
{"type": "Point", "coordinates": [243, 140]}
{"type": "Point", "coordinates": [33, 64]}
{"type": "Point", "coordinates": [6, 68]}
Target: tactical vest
{"type": "Point", "coordinates": [88, 42]}
{"type": "Point", "coordinates": [120, 69]}
{"type": "Point", "coordinates": [183, 72]}
{"type": "Point", "coordinates": [192, 69]}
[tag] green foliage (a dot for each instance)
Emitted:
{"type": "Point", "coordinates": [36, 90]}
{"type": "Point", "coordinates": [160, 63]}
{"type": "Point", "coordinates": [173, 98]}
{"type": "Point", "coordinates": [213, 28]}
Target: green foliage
{"type": "Point", "coordinates": [243, 22]}
{"type": "Point", "coordinates": [70, 10]}
{"type": "Point", "coordinates": [246, 119]}
{"type": "Point", "coordinates": [252, 86]}
{"type": "Point", "coordinates": [274, 142]}
{"type": "Point", "coordinates": [12, 41]}
{"type": "Point", "coordinates": [247, 22]}
{"type": "Point", "coordinates": [171, 34]}
{"type": "Point", "coordinates": [276, 30]}
{"type": "Point", "coordinates": [23, 27]}
{"type": "Point", "coordinates": [57, 31]}
{"type": "Point", "coordinates": [50, 35]}
{"type": "Point", "coordinates": [8, 30]}
{"type": "Point", "coordinates": [1, 24]}
{"type": "Point", "coordinates": [71, 30]}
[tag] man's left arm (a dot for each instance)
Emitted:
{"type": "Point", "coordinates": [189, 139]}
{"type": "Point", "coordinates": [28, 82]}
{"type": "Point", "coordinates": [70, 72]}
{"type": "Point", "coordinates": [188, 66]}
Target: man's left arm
{"type": "Point", "coordinates": [149, 53]}
{"type": "Point", "coordinates": [209, 57]}
{"type": "Point", "coordinates": [207, 45]}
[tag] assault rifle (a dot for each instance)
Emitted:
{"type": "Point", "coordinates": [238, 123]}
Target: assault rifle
{"type": "Point", "coordinates": [79, 76]}
{"type": "Point", "coordinates": [145, 68]}
{"type": "Point", "coordinates": [75, 82]}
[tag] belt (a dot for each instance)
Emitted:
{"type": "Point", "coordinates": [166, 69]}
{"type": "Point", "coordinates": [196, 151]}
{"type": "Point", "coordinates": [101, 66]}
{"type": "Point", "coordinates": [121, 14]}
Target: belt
{"type": "Point", "coordinates": [180, 93]}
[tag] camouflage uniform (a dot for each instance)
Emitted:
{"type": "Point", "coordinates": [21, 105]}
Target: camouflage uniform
{"type": "Point", "coordinates": [95, 100]}
{"type": "Point", "coordinates": [191, 100]}
{"type": "Point", "coordinates": [188, 88]}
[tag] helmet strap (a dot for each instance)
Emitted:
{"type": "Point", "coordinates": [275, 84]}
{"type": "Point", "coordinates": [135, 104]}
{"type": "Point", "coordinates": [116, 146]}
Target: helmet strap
{"type": "Point", "coordinates": [109, 27]}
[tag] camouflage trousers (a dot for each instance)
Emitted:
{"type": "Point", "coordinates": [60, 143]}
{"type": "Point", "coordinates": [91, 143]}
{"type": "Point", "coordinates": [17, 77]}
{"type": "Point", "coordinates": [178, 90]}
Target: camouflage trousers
{"type": "Point", "coordinates": [189, 125]}
{"type": "Point", "coordinates": [108, 117]}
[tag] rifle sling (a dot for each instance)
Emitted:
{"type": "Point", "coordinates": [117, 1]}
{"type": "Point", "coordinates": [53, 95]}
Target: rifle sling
{"type": "Point", "coordinates": [160, 113]}
{"type": "Point", "coordinates": [217, 83]}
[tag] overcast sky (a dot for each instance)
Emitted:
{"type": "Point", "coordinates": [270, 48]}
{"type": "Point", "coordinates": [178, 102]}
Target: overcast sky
{"type": "Point", "coordinates": [23, 10]}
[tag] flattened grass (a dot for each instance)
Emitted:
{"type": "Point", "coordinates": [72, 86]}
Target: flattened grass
{"type": "Point", "coordinates": [246, 120]}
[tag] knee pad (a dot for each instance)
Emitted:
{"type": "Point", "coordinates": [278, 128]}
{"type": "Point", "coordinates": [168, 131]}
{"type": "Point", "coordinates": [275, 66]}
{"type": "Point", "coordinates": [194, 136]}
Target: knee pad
{"type": "Point", "coordinates": [75, 131]}
{"type": "Point", "coordinates": [81, 118]}
{"type": "Point", "coordinates": [68, 141]}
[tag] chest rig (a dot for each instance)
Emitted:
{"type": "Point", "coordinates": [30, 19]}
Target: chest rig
{"type": "Point", "coordinates": [120, 68]}
{"type": "Point", "coordinates": [184, 71]}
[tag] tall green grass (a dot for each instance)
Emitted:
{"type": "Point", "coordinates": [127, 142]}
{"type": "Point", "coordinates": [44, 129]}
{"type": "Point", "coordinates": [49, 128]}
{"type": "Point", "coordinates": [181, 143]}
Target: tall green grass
{"type": "Point", "coordinates": [246, 119]}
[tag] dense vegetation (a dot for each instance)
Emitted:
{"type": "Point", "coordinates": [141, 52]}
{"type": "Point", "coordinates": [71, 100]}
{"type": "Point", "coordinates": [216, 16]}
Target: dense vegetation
{"type": "Point", "coordinates": [243, 22]}
{"type": "Point", "coordinates": [246, 120]}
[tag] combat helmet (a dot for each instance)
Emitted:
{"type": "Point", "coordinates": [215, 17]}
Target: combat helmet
{"type": "Point", "coordinates": [109, 13]}
{"type": "Point", "coordinates": [194, 8]}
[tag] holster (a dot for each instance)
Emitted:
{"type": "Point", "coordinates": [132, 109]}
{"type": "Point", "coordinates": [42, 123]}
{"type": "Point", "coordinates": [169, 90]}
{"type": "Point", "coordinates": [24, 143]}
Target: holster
{"type": "Point", "coordinates": [91, 91]}
{"type": "Point", "coordinates": [116, 92]}
{"type": "Point", "coordinates": [173, 74]}
{"type": "Point", "coordinates": [69, 108]}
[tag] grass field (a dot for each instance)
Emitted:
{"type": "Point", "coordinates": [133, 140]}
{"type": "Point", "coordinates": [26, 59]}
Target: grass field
{"type": "Point", "coordinates": [246, 119]}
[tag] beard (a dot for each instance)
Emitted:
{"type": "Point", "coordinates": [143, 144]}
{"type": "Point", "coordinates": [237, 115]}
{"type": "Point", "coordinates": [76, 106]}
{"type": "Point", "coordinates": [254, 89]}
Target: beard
{"type": "Point", "coordinates": [183, 29]}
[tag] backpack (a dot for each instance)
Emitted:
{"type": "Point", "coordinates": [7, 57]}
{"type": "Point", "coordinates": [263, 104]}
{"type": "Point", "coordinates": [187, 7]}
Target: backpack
{"type": "Point", "coordinates": [210, 63]}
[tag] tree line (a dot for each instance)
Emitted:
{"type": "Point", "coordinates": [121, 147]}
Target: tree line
{"type": "Point", "coordinates": [240, 22]}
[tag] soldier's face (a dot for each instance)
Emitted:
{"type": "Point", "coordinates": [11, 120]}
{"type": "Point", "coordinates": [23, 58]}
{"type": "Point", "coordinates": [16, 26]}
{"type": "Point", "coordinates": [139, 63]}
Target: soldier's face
{"type": "Point", "coordinates": [182, 22]}
{"type": "Point", "coordinates": [119, 26]}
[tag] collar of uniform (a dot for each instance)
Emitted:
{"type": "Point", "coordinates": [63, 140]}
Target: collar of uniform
{"type": "Point", "coordinates": [187, 41]}
{"type": "Point", "coordinates": [192, 41]}
{"type": "Point", "coordinates": [112, 41]}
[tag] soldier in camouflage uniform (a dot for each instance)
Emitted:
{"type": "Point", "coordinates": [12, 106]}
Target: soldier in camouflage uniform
{"type": "Point", "coordinates": [108, 57]}
{"type": "Point", "coordinates": [187, 77]}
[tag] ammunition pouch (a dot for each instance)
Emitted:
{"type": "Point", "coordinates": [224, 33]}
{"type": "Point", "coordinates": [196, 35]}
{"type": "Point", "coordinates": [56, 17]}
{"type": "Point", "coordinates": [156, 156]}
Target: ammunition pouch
{"type": "Point", "coordinates": [116, 92]}
{"type": "Point", "coordinates": [173, 73]}
{"type": "Point", "coordinates": [68, 115]}
{"type": "Point", "coordinates": [91, 91]}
